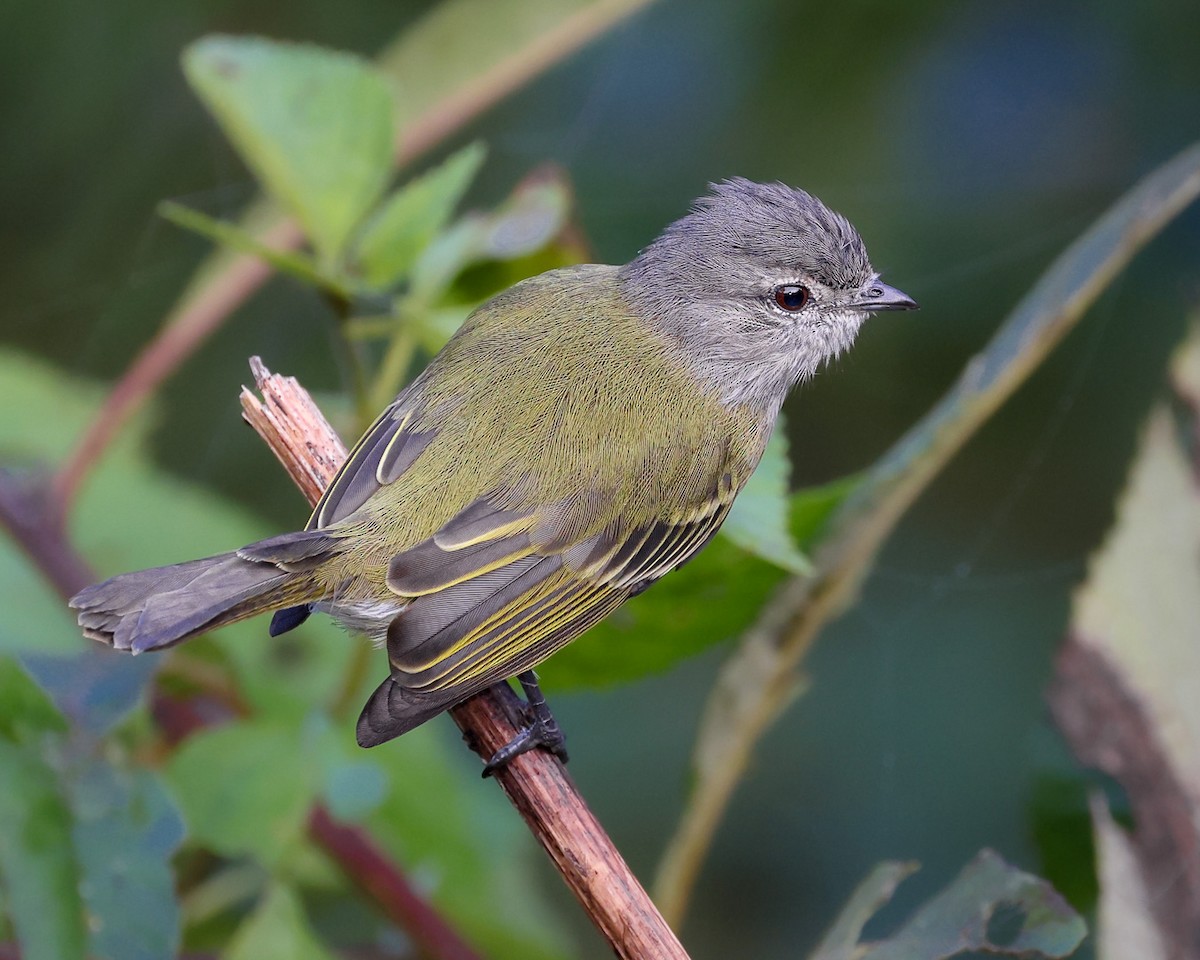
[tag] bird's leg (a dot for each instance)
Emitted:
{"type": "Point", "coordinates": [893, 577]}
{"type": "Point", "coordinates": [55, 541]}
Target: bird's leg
{"type": "Point", "coordinates": [540, 730]}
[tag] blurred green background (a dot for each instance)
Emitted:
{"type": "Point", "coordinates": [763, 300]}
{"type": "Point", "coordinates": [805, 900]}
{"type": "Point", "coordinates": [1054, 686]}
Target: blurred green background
{"type": "Point", "coordinates": [969, 142]}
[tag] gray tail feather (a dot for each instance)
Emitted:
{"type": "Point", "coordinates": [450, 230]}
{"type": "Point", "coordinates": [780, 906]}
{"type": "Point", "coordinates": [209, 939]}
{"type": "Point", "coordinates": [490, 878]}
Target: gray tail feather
{"type": "Point", "coordinates": [152, 609]}
{"type": "Point", "coordinates": [394, 709]}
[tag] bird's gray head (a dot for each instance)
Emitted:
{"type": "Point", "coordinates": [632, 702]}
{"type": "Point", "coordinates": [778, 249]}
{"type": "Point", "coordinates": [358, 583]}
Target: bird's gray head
{"type": "Point", "coordinates": [761, 283]}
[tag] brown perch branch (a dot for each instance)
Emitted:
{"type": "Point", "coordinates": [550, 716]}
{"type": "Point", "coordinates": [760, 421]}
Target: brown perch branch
{"type": "Point", "coordinates": [536, 783]}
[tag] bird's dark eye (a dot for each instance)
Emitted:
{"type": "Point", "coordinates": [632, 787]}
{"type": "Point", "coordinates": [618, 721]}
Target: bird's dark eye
{"type": "Point", "coordinates": [792, 296]}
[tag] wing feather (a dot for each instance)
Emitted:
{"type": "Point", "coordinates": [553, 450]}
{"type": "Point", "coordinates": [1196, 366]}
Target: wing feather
{"type": "Point", "coordinates": [481, 521]}
{"type": "Point", "coordinates": [428, 569]}
{"type": "Point", "coordinates": [519, 639]}
{"type": "Point", "coordinates": [485, 609]}
{"type": "Point", "coordinates": [433, 629]}
{"type": "Point", "coordinates": [389, 447]}
{"type": "Point", "coordinates": [673, 545]}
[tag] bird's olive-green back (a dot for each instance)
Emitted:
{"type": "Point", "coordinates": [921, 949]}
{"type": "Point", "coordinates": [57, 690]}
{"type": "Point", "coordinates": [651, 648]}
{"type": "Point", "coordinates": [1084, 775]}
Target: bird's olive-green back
{"type": "Point", "coordinates": [555, 403]}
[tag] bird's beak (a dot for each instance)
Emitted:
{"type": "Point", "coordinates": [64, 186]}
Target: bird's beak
{"type": "Point", "coordinates": [878, 295]}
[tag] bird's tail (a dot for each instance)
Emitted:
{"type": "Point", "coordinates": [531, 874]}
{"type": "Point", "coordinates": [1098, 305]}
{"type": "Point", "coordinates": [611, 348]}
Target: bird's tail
{"type": "Point", "coordinates": [152, 609]}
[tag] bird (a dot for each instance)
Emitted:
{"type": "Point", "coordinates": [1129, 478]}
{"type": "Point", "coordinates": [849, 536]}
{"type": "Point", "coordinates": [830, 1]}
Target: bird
{"type": "Point", "coordinates": [584, 433]}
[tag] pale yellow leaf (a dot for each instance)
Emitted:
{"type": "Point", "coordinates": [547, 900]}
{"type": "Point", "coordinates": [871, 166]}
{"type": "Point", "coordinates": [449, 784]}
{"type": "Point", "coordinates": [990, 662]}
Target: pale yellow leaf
{"type": "Point", "coordinates": [1125, 925]}
{"type": "Point", "coordinates": [1140, 606]}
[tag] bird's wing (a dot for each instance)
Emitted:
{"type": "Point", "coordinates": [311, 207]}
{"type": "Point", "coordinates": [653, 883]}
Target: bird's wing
{"type": "Point", "coordinates": [389, 447]}
{"type": "Point", "coordinates": [486, 602]}
{"type": "Point", "coordinates": [496, 590]}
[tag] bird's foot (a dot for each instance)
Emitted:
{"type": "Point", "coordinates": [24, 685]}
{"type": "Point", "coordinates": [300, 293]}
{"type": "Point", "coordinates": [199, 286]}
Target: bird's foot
{"type": "Point", "coordinates": [540, 729]}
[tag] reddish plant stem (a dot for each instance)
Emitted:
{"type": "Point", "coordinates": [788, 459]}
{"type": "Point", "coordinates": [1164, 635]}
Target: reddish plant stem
{"type": "Point", "coordinates": [196, 319]}
{"type": "Point", "coordinates": [375, 875]}
{"type": "Point", "coordinates": [26, 514]}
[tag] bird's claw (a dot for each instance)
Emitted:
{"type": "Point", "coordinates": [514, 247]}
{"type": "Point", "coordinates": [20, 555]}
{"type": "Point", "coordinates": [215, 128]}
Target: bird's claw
{"type": "Point", "coordinates": [540, 729]}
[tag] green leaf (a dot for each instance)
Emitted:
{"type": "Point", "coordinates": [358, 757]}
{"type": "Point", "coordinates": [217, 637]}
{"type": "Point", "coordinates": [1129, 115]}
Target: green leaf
{"type": "Point", "coordinates": [812, 508]}
{"type": "Point", "coordinates": [27, 709]}
{"type": "Point", "coordinates": [759, 521]}
{"type": "Point", "coordinates": [991, 906]}
{"type": "Point", "coordinates": [1060, 823]}
{"type": "Point", "coordinates": [95, 688]}
{"type": "Point", "coordinates": [354, 788]}
{"type": "Point", "coordinates": [245, 788]}
{"type": "Point", "coordinates": [841, 942]}
{"type": "Point", "coordinates": [530, 218]}
{"type": "Point", "coordinates": [477, 51]}
{"type": "Point", "coordinates": [277, 930]}
{"type": "Point", "coordinates": [412, 216]}
{"type": "Point", "coordinates": [35, 618]}
{"type": "Point", "coordinates": [314, 125]}
{"type": "Point", "coordinates": [449, 64]}
{"type": "Point", "coordinates": [125, 831]}
{"type": "Point", "coordinates": [295, 264]}
{"type": "Point", "coordinates": [37, 863]}
{"type": "Point", "coordinates": [285, 677]}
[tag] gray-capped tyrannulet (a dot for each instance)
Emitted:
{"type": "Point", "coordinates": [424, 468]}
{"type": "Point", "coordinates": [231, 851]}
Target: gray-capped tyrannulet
{"type": "Point", "coordinates": [583, 433]}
